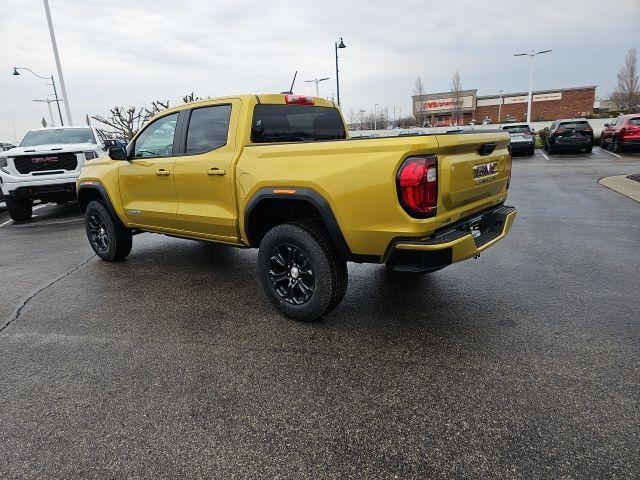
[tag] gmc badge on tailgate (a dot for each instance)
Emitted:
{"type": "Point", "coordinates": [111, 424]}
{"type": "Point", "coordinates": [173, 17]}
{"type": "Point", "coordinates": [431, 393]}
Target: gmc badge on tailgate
{"type": "Point", "coordinates": [485, 169]}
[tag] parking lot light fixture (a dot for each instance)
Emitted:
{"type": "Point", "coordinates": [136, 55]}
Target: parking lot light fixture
{"type": "Point", "coordinates": [337, 46]}
{"type": "Point", "coordinates": [53, 84]}
{"type": "Point", "coordinates": [531, 54]}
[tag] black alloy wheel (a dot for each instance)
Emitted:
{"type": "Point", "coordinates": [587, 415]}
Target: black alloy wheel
{"type": "Point", "coordinates": [108, 237]}
{"type": "Point", "coordinates": [97, 232]}
{"type": "Point", "coordinates": [300, 270]}
{"type": "Point", "coordinates": [291, 274]}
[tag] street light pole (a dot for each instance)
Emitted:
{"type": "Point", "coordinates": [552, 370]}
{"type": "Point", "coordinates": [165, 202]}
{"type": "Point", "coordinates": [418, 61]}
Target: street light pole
{"type": "Point", "coordinates": [53, 84]}
{"type": "Point", "coordinates": [65, 97]}
{"type": "Point", "coordinates": [375, 116]}
{"type": "Point", "coordinates": [531, 54]}
{"type": "Point", "coordinates": [337, 46]}
{"type": "Point", "coordinates": [500, 106]}
{"type": "Point", "coordinates": [317, 82]}
{"type": "Point", "coordinates": [48, 101]}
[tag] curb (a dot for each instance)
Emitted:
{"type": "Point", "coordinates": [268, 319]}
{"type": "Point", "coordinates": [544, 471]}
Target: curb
{"type": "Point", "coordinates": [622, 185]}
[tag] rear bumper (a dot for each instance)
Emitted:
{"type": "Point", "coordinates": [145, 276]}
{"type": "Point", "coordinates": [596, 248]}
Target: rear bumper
{"type": "Point", "coordinates": [572, 142]}
{"type": "Point", "coordinates": [519, 147]}
{"type": "Point", "coordinates": [454, 244]}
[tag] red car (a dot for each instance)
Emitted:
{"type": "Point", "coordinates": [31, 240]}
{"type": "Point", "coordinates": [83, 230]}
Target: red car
{"type": "Point", "coordinates": [622, 133]}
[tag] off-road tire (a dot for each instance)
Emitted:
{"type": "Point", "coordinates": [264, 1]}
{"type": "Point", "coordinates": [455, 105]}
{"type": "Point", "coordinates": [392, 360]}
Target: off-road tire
{"type": "Point", "coordinates": [329, 269]}
{"type": "Point", "coordinates": [532, 151]}
{"type": "Point", "coordinates": [20, 209]}
{"type": "Point", "coordinates": [588, 149]}
{"type": "Point", "coordinates": [119, 238]}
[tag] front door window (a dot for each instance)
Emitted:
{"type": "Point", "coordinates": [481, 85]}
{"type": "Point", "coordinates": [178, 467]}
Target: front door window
{"type": "Point", "coordinates": [157, 139]}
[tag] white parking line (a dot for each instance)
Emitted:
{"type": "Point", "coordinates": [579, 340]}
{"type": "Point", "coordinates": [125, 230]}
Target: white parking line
{"type": "Point", "coordinates": [611, 153]}
{"type": "Point", "coordinates": [543, 154]}
{"type": "Point", "coordinates": [37, 207]}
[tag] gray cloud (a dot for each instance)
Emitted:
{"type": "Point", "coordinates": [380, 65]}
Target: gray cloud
{"type": "Point", "coordinates": [131, 52]}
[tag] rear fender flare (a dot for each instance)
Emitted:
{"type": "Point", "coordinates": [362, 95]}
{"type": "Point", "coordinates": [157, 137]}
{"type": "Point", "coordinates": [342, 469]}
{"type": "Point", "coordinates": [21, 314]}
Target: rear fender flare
{"type": "Point", "coordinates": [304, 194]}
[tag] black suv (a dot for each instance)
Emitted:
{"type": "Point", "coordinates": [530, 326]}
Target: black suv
{"type": "Point", "coordinates": [569, 135]}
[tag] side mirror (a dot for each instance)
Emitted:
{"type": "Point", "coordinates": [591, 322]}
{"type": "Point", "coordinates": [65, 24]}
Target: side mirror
{"type": "Point", "coordinates": [110, 142]}
{"type": "Point", "coordinates": [606, 125]}
{"type": "Point", "coordinates": [118, 153]}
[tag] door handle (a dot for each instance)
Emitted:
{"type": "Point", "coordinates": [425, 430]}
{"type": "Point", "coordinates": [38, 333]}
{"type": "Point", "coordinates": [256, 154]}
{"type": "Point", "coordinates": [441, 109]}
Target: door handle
{"type": "Point", "coordinates": [162, 172]}
{"type": "Point", "coordinates": [215, 171]}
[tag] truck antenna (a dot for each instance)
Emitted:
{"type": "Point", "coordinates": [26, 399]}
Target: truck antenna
{"type": "Point", "coordinates": [294, 81]}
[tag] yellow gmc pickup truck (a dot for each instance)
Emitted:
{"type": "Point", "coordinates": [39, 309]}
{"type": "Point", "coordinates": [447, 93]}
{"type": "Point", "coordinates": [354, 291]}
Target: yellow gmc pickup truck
{"type": "Point", "coordinates": [279, 172]}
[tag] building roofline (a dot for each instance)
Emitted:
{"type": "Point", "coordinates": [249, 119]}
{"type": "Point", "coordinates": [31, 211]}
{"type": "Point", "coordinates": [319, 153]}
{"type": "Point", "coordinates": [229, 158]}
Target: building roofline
{"type": "Point", "coordinates": [537, 92]}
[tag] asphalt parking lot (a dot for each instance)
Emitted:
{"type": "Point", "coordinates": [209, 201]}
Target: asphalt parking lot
{"type": "Point", "coordinates": [524, 363]}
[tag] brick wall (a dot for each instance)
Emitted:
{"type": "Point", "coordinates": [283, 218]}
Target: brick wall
{"type": "Point", "coordinates": [575, 103]}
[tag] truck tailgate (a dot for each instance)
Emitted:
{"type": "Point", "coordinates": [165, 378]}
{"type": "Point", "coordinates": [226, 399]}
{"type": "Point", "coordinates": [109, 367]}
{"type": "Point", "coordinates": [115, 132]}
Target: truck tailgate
{"type": "Point", "coordinates": [472, 168]}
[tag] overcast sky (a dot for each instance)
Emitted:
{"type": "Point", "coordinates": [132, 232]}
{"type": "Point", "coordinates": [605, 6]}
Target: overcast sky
{"type": "Point", "coordinates": [117, 52]}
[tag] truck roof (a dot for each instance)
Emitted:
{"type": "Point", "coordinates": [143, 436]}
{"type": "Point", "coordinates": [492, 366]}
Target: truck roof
{"type": "Point", "coordinates": [270, 98]}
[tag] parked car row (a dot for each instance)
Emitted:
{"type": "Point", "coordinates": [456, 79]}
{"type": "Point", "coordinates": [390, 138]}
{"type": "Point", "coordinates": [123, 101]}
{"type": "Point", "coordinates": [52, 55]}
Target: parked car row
{"type": "Point", "coordinates": [576, 134]}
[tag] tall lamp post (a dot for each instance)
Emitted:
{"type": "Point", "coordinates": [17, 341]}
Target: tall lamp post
{"type": "Point", "coordinates": [53, 84]}
{"type": "Point", "coordinates": [338, 45]}
{"type": "Point", "coordinates": [500, 107]}
{"type": "Point", "coordinates": [375, 116]}
{"type": "Point", "coordinates": [531, 54]}
{"type": "Point", "coordinates": [54, 44]}
{"type": "Point", "coordinates": [317, 82]}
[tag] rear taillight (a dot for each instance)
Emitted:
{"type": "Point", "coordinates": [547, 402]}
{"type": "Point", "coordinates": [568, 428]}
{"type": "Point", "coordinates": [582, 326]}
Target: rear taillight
{"type": "Point", "coordinates": [298, 100]}
{"type": "Point", "coordinates": [417, 183]}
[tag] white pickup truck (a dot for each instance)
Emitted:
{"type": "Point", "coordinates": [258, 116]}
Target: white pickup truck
{"type": "Point", "coordinates": [45, 166]}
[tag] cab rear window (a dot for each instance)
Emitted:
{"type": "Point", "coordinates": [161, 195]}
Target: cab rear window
{"type": "Point", "coordinates": [634, 121]}
{"type": "Point", "coordinates": [295, 123]}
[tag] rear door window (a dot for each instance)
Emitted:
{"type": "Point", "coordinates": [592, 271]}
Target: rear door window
{"type": "Point", "coordinates": [634, 121]}
{"type": "Point", "coordinates": [295, 123]}
{"type": "Point", "coordinates": [208, 128]}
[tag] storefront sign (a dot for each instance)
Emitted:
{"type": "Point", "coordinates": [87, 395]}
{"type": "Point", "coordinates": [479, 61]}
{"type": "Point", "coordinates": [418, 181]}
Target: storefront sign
{"type": "Point", "coordinates": [445, 104]}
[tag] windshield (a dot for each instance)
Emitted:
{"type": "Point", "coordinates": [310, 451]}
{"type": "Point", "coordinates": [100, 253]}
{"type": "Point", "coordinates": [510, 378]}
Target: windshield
{"type": "Point", "coordinates": [295, 123]}
{"type": "Point", "coordinates": [57, 135]}
{"type": "Point", "coordinates": [517, 129]}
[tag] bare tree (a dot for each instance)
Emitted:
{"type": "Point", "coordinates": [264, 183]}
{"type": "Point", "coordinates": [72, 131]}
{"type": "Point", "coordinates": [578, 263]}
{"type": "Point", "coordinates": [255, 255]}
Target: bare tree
{"type": "Point", "coordinates": [190, 97]}
{"type": "Point", "coordinates": [123, 122]}
{"type": "Point", "coordinates": [627, 93]}
{"type": "Point", "coordinates": [418, 91]}
{"type": "Point", "coordinates": [156, 107]}
{"type": "Point", "coordinates": [456, 89]}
